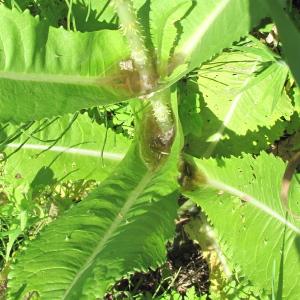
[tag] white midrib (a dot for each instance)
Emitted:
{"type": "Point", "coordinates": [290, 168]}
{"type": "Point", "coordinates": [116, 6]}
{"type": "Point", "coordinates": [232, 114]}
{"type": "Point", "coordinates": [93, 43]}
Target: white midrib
{"type": "Point", "coordinates": [76, 151]}
{"type": "Point", "coordinates": [228, 117]}
{"type": "Point", "coordinates": [51, 78]}
{"type": "Point", "coordinates": [111, 230]}
{"type": "Point", "coordinates": [193, 41]}
{"type": "Point", "coordinates": [253, 201]}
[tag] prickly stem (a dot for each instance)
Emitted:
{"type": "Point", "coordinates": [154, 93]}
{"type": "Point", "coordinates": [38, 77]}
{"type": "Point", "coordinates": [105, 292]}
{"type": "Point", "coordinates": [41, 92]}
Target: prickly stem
{"type": "Point", "coordinates": [156, 126]}
{"type": "Point", "coordinates": [139, 53]}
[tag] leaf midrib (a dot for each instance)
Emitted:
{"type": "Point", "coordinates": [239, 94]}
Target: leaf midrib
{"type": "Point", "coordinates": [54, 78]}
{"type": "Point", "coordinates": [189, 46]}
{"type": "Point", "coordinates": [68, 150]}
{"type": "Point", "coordinates": [129, 202]}
{"type": "Point", "coordinates": [260, 205]}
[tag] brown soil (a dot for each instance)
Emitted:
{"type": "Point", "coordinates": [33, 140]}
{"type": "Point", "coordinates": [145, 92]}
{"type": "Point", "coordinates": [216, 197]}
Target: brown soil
{"type": "Point", "coordinates": [185, 268]}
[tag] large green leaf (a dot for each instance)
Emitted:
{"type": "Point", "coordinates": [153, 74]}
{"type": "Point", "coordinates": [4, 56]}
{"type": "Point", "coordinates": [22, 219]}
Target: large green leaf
{"type": "Point", "coordinates": [46, 71]}
{"type": "Point", "coordinates": [209, 27]}
{"type": "Point", "coordinates": [241, 198]}
{"type": "Point", "coordinates": [289, 35]}
{"type": "Point", "coordinates": [120, 227]}
{"type": "Point", "coordinates": [206, 134]}
{"type": "Point", "coordinates": [242, 102]}
{"type": "Point", "coordinates": [67, 149]}
{"type": "Point", "coordinates": [244, 88]}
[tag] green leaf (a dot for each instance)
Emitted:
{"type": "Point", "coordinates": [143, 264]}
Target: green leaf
{"type": "Point", "coordinates": [122, 226]}
{"type": "Point", "coordinates": [46, 71]}
{"type": "Point", "coordinates": [244, 88]}
{"type": "Point", "coordinates": [199, 141]}
{"type": "Point", "coordinates": [289, 35]}
{"type": "Point", "coordinates": [241, 198]}
{"type": "Point", "coordinates": [209, 27]}
{"type": "Point", "coordinates": [78, 256]}
{"type": "Point", "coordinates": [66, 149]}
{"type": "Point", "coordinates": [163, 28]}
{"type": "Point", "coordinates": [86, 15]}
{"type": "Point", "coordinates": [241, 102]}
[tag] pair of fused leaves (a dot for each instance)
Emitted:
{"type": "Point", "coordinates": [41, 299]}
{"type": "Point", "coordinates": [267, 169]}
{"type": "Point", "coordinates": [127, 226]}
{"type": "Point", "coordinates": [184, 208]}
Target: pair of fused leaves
{"type": "Point", "coordinates": [46, 71]}
{"type": "Point", "coordinates": [120, 227]}
{"type": "Point", "coordinates": [241, 95]}
{"type": "Point", "coordinates": [256, 240]}
{"type": "Point", "coordinates": [79, 255]}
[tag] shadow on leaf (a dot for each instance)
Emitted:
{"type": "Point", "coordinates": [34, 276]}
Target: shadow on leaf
{"type": "Point", "coordinates": [210, 141]}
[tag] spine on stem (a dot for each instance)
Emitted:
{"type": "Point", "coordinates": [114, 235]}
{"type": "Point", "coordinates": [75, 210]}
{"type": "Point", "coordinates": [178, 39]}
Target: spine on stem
{"type": "Point", "coordinates": [156, 128]}
{"type": "Point", "coordinates": [139, 54]}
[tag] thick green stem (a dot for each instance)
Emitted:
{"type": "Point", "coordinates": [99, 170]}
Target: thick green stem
{"type": "Point", "coordinates": [156, 126]}
{"type": "Point", "coordinates": [139, 53]}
